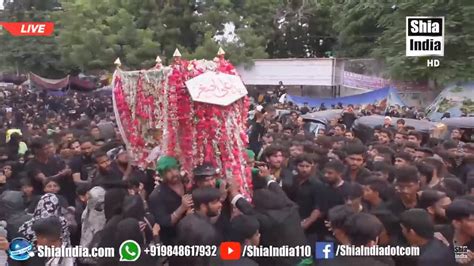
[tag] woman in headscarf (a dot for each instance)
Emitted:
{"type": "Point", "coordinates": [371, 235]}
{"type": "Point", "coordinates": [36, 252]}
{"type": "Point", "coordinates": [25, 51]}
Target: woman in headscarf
{"type": "Point", "coordinates": [93, 218]}
{"type": "Point", "coordinates": [129, 229]}
{"type": "Point", "coordinates": [133, 207]}
{"type": "Point", "coordinates": [12, 210]}
{"type": "Point", "coordinates": [47, 206]}
{"type": "Point", "coordinates": [113, 202]}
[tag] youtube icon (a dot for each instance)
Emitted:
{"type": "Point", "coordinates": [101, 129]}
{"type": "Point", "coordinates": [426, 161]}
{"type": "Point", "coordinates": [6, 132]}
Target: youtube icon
{"type": "Point", "coordinates": [230, 250]}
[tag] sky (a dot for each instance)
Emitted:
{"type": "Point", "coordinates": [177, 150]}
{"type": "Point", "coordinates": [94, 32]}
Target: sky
{"type": "Point", "coordinates": [1, 4]}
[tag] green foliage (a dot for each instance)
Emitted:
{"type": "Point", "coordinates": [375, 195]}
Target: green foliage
{"type": "Point", "coordinates": [94, 34]}
{"type": "Point", "coordinates": [302, 29]}
{"type": "Point", "coordinates": [458, 61]}
{"type": "Point", "coordinates": [357, 26]}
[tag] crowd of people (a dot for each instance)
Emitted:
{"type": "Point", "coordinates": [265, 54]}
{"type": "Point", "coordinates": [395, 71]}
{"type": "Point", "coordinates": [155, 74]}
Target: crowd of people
{"type": "Point", "coordinates": [68, 180]}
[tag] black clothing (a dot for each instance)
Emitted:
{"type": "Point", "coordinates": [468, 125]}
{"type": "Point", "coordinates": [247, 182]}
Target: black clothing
{"type": "Point", "coordinates": [436, 253]}
{"type": "Point", "coordinates": [195, 229]}
{"type": "Point", "coordinates": [309, 196]}
{"type": "Point", "coordinates": [255, 136]}
{"type": "Point", "coordinates": [162, 206]}
{"type": "Point", "coordinates": [84, 165]}
{"type": "Point", "coordinates": [222, 224]}
{"type": "Point", "coordinates": [448, 232]}
{"type": "Point", "coordinates": [106, 180]}
{"type": "Point", "coordinates": [370, 208]}
{"type": "Point", "coordinates": [11, 184]}
{"type": "Point", "coordinates": [79, 209]}
{"type": "Point", "coordinates": [304, 110]}
{"type": "Point", "coordinates": [348, 119]}
{"type": "Point", "coordinates": [117, 173]}
{"type": "Point", "coordinates": [52, 167]}
{"type": "Point", "coordinates": [396, 206]}
{"type": "Point", "coordinates": [337, 196]}
{"type": "Point", "coordinates": [279, 219]}
{"type": "Point", "coordinates": [361, 176]}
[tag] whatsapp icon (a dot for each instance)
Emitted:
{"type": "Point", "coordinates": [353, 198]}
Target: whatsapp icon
{"type": "Point", "coordinates": [129, 251]}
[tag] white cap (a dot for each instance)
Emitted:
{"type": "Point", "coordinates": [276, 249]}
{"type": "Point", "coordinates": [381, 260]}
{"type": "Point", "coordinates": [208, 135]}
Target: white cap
{"type": "Point", "coordinates": [388, 117]}
{"type": "Point", "coordinates": [259, 108]}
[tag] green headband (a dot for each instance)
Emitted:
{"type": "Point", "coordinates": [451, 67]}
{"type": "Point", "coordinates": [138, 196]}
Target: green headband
{"type": "Point", "coordinates": [166, 163]}
{"type": "Point", "coordinates": [251, 154]}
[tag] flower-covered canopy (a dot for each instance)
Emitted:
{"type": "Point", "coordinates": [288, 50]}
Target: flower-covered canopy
{"type": "Point", "coordinates": [195, 132]}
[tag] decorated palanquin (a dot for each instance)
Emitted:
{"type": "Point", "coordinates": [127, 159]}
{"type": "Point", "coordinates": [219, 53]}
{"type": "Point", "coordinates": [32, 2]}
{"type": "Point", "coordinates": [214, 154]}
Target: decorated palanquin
{"type": "Point", "coordinates": [200, 107]}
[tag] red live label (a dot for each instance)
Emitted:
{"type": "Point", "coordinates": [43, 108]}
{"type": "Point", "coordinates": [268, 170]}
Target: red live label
{"type": "Point", "coordinates": [29, 28]}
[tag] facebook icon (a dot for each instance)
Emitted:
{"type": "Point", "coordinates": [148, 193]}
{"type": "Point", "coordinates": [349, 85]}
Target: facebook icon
{"type": "Point", "coordinates": [324, 250]}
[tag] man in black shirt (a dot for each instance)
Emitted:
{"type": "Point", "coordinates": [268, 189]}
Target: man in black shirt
{"type": "Point", "coordinates": [337, 217]}
{"type": "Point", "coordinates": [355, 160]}
{"type": "Point", "coordinates": [338, 189]}
{"type": "Point", "coordinates": [196, 228]}
{"type": "Point", "coordinates": [296, 148]}
{"type": "Point", "coordinates": [274, 156]}
{"type": "Point", "coordinates": [461, 230]}
{"type": "Point", "coordinates": [308, 193]}
{"type": "Point", "coordinates": [171, 203]}
{"type": "Point", "coordinates": [245, 230]}
{"type": "Point", "coordinates": [83, 166]}
{"type": "Point", "coordinates": [305, 108]}
{"type": "Point", "coordinates": [407, 185]}
{"type": "Point", "coordinates": [280, 224]}
{"type": "Point", "coordinates": [374, 193]}
{"type": "Point", "coordinates": [205, 176]}
{"type": "Point", "coordinates": [418, 229]}
{"type": "Point", "coordinates": [361, 229]}
{"type": "Point", "coordinates": [435, 203]}
{"type": "Point", "coordinates": [45, 166]}
{"type": "Point", "coordinates": [104, 176]}
{"type": "Point", "coordinates": [348, 117]}
{"type": "Point", "coordinates": [121, 166]}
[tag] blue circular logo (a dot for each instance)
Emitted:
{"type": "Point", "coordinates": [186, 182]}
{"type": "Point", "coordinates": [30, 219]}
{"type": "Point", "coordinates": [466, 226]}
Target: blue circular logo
{"type": "Point", "coordinates": [20, 249]}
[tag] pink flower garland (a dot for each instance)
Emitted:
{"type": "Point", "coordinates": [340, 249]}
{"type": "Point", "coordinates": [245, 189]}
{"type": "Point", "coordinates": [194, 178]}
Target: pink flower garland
{"type": "Point", "coordinates": [195, 132]}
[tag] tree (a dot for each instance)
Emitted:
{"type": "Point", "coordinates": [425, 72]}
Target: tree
{"type": "Point", "coordinates": [138, 32]}
{"type": "Point", "coordinates": [458, 61]}
{"type": "Point", "coordinates": [357, 26]}
{"type": "Point", "coordinates": [94, 33]}
{"type": "Point", "coordinates": [219, 24]}
{"type": "Point", "coordinates": [302, 29]}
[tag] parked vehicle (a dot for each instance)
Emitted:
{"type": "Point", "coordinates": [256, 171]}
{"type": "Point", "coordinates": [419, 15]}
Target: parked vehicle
{"type": "Point", "coordinates": [321, 119]}
{"type": "Point", "coordinates": [464, 123]}
{"type": "Point", "coordinates": [429, 129]}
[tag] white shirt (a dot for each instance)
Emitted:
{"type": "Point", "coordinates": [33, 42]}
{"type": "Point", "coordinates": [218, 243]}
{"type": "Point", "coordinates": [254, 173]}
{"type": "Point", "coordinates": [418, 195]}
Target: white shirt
{"type": "Point", "coordinates": [282, 98]}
